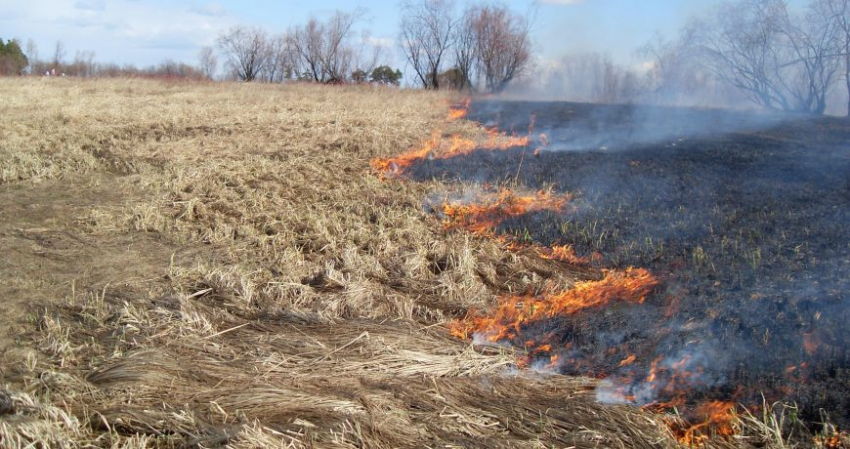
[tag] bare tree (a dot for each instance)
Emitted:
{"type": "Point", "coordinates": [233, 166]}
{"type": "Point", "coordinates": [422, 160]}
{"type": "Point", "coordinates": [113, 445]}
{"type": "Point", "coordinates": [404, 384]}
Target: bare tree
{"type": "Point", "coordinates": [338, 56]}
{"type": "Point", "coordinates": [207, 61]}
{"type": "Point", "coordinates": [504, 45]}
{"type": "Point", "coordinates": [813, 39]}
{"type": "Point", "coordinates": [466, 48]}
{"type": "Point", "coordinates": [587, 77]}
{"type": "Point", "coordinates": [278, 63]}
{"type": "Point", "coordinates": [370, 54]}
{"type": "Point", "coordinates": [246, 51]}
{"type": "Point", "coordinates": [83, 64]}
{"type": "Point", "coordinates": [324, 49]}
{"type": "Point", "coordinates": [741, 44]}
{"type": "Point", "coordinates": [427, 33]}
{"type": "Point", "coordinates": [58, 54]}
{"type": "Point", "coordinates": [778, 61]}
{"type": "Point", "coordinates": [32, 50]}
{"type": "Point", "coordinates": [669, 67]}
{"type": "Point", "coordinates": [308, 42]}
{"type": "Point", "coordinates": [35, 65]}
{"type": "Point", "coordinates": [839, 12]}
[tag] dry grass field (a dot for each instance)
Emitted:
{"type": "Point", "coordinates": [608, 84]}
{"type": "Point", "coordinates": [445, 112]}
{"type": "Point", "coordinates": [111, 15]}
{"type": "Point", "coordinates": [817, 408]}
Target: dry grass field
{"type": "Point", "coordinates": [211, 265]}
{"type": "Point", "coordinates": [207, 265]}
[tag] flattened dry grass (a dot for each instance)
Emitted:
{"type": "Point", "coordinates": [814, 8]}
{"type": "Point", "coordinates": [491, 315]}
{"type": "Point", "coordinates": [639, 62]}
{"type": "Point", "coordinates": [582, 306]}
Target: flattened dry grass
{"type": "Point", "coordinates": [315, 318]}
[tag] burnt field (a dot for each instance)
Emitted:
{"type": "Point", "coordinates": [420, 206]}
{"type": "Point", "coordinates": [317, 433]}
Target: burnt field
{"type": "Point", "coordinates": [742, 217]}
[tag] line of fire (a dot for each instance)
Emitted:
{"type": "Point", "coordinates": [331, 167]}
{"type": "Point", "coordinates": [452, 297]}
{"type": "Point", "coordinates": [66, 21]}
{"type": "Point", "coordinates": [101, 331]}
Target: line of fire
{"type": "Point", "coordinates": [686, 310]}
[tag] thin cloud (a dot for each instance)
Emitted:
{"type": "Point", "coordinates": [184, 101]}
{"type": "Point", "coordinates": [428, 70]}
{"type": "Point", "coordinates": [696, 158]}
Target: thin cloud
{"type": "Point", "coordinates": [210, 9]}
{"type": "Point", "coordinates": [123, 31]}
{"type": "Point", "coordinates": [379, 41]}
{"type": "Point", "coordinates": [90, 5]}
{"type": "Point", "coordinates": [561, 2]}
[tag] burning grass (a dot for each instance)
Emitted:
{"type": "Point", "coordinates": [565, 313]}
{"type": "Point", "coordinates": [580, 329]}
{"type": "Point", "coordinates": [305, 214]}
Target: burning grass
{"type": "Point", "coordinates": [731, 282]}
{"type": "Point", "coordinates": [307, 303]}
{"type": "Point", "coordinates": [445, 146]}
{"type": "Point", "coordinates": [515, 312]}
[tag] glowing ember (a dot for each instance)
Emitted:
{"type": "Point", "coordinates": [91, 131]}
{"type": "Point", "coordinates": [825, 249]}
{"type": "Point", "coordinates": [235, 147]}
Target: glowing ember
{"type": "Point", "coordinates": [628, 361]}
{"type": "Point", "coordinates": [834, 441]}
{"type": "Point", "coordinates": [810, 343]}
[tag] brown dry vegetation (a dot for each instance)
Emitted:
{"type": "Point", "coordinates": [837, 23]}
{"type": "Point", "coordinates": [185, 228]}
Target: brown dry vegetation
{"type": "Point", "coordinates": [216, 264]}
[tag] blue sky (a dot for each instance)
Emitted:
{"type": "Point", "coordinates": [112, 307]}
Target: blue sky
{"type": "Point", "coordinates": [146, 32]}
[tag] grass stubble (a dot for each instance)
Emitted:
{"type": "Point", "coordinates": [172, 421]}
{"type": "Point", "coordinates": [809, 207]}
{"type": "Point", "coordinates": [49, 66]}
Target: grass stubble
{"type": "Point", "coordinates": [314, 309]}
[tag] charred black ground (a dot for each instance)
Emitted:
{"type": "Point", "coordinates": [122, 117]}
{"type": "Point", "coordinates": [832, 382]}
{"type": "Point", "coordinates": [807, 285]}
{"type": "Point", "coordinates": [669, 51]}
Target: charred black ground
{"type": "Point", "coordinates": [745, 218]}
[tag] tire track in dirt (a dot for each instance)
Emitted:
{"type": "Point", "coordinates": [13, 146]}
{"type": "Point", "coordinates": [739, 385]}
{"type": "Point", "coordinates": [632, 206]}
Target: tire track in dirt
{"type": "Point", "coordinates": [49, 254]}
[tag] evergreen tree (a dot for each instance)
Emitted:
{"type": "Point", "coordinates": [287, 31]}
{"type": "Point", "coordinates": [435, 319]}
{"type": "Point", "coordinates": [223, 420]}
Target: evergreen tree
{"type": "Point", "coordinates": [13, 61]}
{"type": "Point", "coordinates": [385, 75]}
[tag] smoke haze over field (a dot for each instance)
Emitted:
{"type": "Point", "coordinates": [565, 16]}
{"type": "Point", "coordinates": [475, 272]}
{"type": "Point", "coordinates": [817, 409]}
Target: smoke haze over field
{"type": "Point", "coordinates": [739, 214]}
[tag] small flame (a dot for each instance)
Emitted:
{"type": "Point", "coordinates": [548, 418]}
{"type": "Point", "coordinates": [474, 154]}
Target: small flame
{"type": "Point", "coordinates": [563, 253]}
{"type": "Point", "coordinates": [459, 112]}
{"type": "Point", "coordinates": [718, 419]}
{"type": "Point", "coordinates": [438, 147]}
{"type": "Point", "coordinates": [628, 361]}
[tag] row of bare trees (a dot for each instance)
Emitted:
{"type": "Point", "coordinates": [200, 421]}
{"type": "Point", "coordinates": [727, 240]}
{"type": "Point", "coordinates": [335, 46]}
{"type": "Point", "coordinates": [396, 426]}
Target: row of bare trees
{"type": "Point", "coordinates": [739, 53]}
{"type": "Point", "coordinates": [486, 47]}
{"type": "Point", "coordinates": [83, 65]}
{"type": "Point", "coordinates": [779, 58]}
{"type": "Point", "coordinates": [324, 51]}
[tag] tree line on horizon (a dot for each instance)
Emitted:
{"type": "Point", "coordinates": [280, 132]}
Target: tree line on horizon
{"type": "Point", "coordinates": [484, 48]}
{"type": "Point", "coordinates": [759, 50]}
{"type": "Point", "coordinates": [83, 65]}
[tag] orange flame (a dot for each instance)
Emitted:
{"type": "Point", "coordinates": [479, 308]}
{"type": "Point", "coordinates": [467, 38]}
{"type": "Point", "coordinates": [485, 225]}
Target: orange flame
{"type": "Point", "coordinates": [481, 218]}
{"type": "Point", "coordinates": [438, 147]}
{"type": "Point", "coordinates": [563, 253]}
{"type": "Point", "coordinates": [628, 361]}
{"type": "Point", "coordinates": [835, 440]}
{"type": "Point", "coordinates": [444, 148]}
{"type": "Point", "coordinates": [457, 113]}
{"type": "Point", "coordinates": [631, 285]}
{"type": "Point", "coordinates": [514, 313]}
{"type": "Point", "coordinates": [719, 419]}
